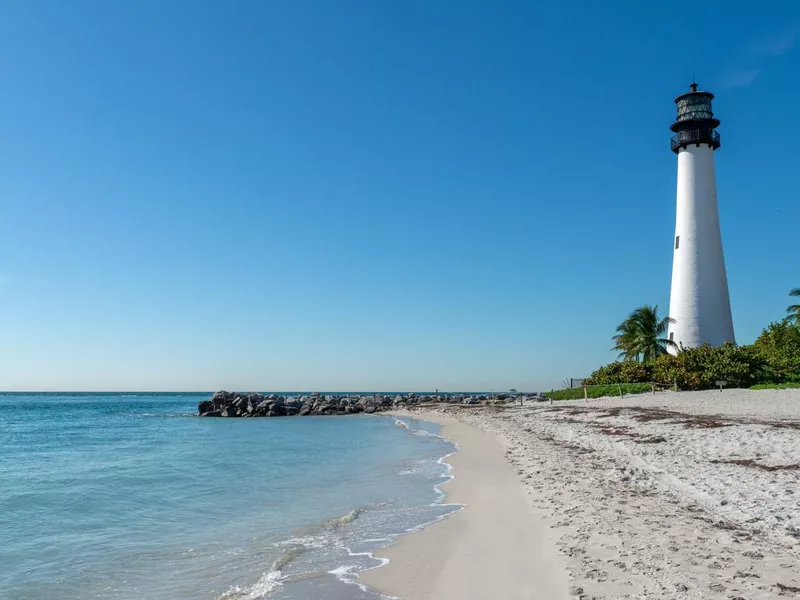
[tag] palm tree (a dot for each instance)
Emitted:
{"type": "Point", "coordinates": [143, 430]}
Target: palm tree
{"type": "Point", "coordinates": [625, 340]}
{"type": "Point", "coordinates": [794, 310]}
{"type": "Point", "coordinates": [642, 335]}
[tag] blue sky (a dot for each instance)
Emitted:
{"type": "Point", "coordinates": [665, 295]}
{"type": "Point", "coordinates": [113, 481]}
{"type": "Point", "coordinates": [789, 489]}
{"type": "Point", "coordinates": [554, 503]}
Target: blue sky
{"type": "Point", "coordinates": [347, 195]}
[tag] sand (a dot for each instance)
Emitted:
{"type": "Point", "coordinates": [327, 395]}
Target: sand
{"type": "Point", "coordinates": [674, 496]}
{"type": "Point", "coordinates": [498, 546]}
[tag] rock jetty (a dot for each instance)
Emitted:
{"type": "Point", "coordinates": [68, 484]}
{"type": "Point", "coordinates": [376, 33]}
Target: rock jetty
{"type": "Point", "coordinates": [233, 404]}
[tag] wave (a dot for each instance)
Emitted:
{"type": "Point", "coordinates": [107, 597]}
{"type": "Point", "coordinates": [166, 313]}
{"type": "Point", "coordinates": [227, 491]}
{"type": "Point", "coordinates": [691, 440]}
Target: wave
{"type": "Point", "coordinates": [330, 536]}
{"type": "Point", "coordinates": [348, 573]}
{"type": "Point", "coordinates": [268, 583]}
{"type": "Point", "coordinates": [415, 431]}
{"type": "Point", "coordinates": [345, 519]}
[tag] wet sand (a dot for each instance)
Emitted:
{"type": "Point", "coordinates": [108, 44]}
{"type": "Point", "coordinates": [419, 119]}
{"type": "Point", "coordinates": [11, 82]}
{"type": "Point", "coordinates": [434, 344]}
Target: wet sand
{"type": "Point", "coordinates": [498, 546]}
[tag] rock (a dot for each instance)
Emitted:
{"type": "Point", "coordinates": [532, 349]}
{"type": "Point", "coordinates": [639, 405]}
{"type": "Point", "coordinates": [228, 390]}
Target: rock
{"type": "Point", "coordinates": [232, 404]}
{"type": "Point", "coordinates": [220, 399]}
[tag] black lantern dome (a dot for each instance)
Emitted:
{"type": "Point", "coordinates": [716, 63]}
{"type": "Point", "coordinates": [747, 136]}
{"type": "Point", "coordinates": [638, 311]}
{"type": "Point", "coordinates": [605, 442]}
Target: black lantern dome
{"type": "Point", "coordinates": [695, 123]}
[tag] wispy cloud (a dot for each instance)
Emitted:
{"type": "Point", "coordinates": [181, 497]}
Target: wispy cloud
{"type": "Point", "coordinates": [741, 78]}
{"type": "Point", "coordinates": [775, 44]}
{"type": "Point", "coordinates": [754, 58]}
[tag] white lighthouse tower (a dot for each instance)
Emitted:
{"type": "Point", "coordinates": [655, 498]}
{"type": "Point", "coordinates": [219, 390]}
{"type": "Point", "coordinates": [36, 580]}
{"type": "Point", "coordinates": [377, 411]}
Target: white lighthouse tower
{"type": "Point", "coordinates": [699, 301]}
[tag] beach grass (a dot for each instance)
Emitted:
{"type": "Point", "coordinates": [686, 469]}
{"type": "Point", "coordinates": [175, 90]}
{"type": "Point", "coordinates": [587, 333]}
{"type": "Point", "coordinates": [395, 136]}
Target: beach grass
{"type": "Point", "coordinates": [792, 385]}
{"type": "Point", "coordinates": [599, 391]}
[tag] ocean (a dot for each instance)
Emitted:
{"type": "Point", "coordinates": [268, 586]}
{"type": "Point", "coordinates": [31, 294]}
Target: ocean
{"type": "Point", "coordinates": [132, 497]}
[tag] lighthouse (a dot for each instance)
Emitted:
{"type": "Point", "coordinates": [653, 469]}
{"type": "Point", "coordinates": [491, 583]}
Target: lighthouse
{"type": "Point", "coordinates": [699, 302]}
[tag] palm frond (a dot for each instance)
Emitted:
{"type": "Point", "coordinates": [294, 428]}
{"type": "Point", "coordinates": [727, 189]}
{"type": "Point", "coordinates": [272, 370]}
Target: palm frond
{"type": "Point", "coordinates": [642, 334]}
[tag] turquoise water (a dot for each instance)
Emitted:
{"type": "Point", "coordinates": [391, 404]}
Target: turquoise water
{"type": "Point", "coordinates": [133, 497]}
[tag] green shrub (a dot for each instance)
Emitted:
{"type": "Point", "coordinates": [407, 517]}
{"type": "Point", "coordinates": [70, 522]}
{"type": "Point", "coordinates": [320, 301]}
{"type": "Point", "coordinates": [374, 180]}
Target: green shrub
{"type": "Point", "coordinates": [778, 347]}
{"type": "Point", "coordinates": [626, 371]}
{"type": "Point", "coordinates": [700, 368]}
{"type": "Point", "coordinates": [774, 358]}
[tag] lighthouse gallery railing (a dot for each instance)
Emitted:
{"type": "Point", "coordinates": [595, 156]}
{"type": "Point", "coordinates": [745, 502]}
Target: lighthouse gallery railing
{"type": "Point", "coordinates": [695, 136]}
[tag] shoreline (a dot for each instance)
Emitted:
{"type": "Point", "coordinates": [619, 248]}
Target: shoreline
{"type": "Point", "coordinates": [678, 496]}
{"type": "Point", "coordinates": [496, 546]}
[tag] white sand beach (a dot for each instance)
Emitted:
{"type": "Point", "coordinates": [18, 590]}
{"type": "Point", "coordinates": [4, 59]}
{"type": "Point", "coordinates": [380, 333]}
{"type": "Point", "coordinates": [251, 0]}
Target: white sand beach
{"type": "Point", "coordinates": [499, 546]}
{"type": "Point", "coordinates": [676, 495]}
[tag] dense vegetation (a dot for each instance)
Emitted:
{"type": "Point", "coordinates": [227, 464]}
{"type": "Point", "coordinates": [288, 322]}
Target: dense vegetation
{"type": "Point", "coordinates": [773, 359]}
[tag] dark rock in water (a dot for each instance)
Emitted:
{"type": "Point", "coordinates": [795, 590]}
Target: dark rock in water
{"type": "Point", "coordinates": [232, 404]}
{"type": "Point", "coordinates": [222, 398]}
